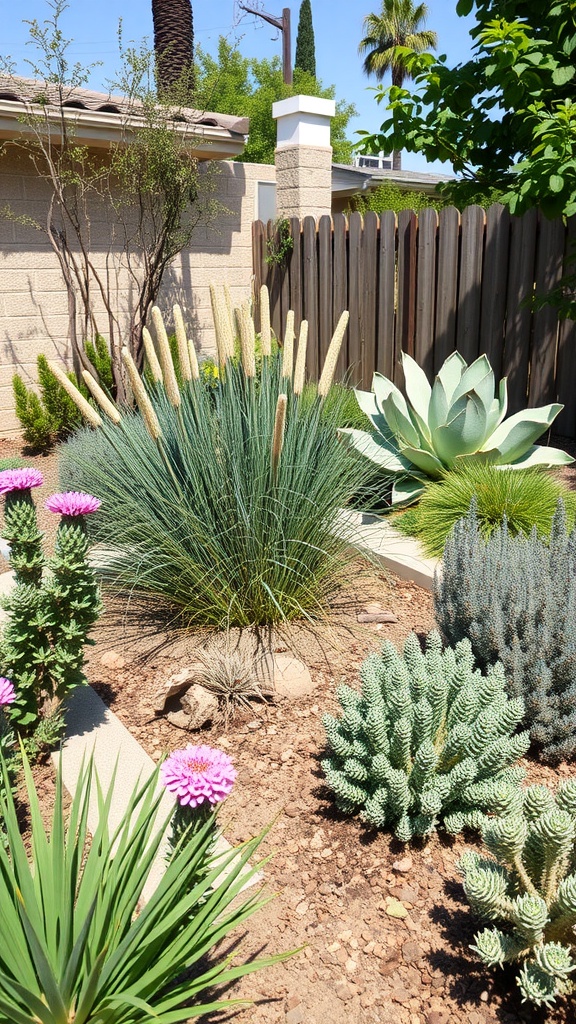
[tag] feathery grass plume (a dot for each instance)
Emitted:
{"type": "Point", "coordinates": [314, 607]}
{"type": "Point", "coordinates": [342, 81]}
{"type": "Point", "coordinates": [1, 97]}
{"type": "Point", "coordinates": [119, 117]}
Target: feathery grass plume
{"type": "Point", "coordinates": [101, 397]}
{"type": "Point", "coordinates": [89, 414]}
{"type": "Point", "coordinates": [265, 336]}
{"type": "Point", "coordinates": [247, 340]}
{"type": "Point", "coordinates": [182, 342]}
{"type": "Point", "coordinates": [300, 371]}
{"type": "Point", "coordinates": [288, 358]}
{"type": "Point", "coordinates": [229, 309]}
{"type": "Point", "coordinates": [151, 357]}
{"type": "Point", "coordinates": [278, 435]}
{"type": "Point", "coordinates": [140, 394]}
{"type": "Point", "coordinates": [194, 368]}
{"type": "Point", "coordinates": [165, 356]}
{"type": "Point", "coordinates": [222, 328]}
{"type": "Point", "coordinates": [327, 376]}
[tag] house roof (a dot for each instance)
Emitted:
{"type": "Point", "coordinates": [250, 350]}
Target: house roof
{"type": "Point", "coordinates": [347, 180]}
{"type": "Point", "coordinates": [100, 118]}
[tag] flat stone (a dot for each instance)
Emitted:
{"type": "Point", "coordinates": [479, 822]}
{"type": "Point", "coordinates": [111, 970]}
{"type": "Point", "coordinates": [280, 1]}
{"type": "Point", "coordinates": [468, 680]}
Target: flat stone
{"type": "Point", "coordinates": [291, 677]}
{"type": "Point", "coordinates": [176, 684]}
{"type": "Point", "coordinates": [395, 909]}
{"type": "Point", "coordinates": [376, 617]}
{"type": "Point", "coordinates": [343, 990]}
{"type": "Point", "coordinates": [404, 865]}
{"type": "Point", "coordinates": [295, 1016]}
{"type": "Point", "coordinates": [411, 951]}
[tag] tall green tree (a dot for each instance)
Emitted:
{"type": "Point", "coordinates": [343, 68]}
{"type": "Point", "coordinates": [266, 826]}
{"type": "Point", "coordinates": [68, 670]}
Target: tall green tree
{"type": "Point", "coordinates": [233, 84]}
{"type": "Point", "coordinates": [174, 48]}
{"type": "Point", "coordinates": [505, 119]}
{"type": "Point", "coordinates": [305, 47]}
{"type": "Point", "coordinates": [391, 38]}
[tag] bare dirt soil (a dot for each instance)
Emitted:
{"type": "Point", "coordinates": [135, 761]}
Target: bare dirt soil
{"type": "Point", "coordinates": [338, 885]}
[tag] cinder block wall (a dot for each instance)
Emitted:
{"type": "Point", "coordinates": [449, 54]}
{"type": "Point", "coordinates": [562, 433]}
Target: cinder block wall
{"type": "Point", "coordinates": [33, 301]}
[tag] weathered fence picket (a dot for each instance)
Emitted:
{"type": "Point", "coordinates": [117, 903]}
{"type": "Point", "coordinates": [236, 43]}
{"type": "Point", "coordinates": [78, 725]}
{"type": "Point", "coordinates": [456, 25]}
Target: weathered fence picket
{"type": "Point", "coordinates": [427, 284]}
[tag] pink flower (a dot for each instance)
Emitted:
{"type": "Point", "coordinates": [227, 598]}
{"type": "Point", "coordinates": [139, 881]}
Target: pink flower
{"type": "Point", "coordinates": [7, 694]}
{"type": "Point", "coordinates": [19, 479]}
{"type": "Point", "coordinates": [196, 774]}
{"type": "Point", "coordinates": [72, 503]}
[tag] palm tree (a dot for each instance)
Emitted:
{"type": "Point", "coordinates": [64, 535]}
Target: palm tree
{"type": "Point", "coordinates": [399, 24]}
{"type": "Point", "coordinates": [174, 48]}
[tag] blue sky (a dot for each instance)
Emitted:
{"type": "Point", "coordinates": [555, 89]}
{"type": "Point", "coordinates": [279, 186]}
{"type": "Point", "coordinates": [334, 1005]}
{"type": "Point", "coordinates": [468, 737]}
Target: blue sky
{"type": "Point", "coordinates": [337, 26]}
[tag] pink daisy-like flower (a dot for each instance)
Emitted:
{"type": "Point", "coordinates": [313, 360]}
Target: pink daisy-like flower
{"type": "Point", "coordinates": [19, 479]}
{"type": "Point", "coordinates": [7, 694]}
{"type": "Point", "coordinates": [72, 503]}
{"type": "Point", "coordinates": [198, 774]}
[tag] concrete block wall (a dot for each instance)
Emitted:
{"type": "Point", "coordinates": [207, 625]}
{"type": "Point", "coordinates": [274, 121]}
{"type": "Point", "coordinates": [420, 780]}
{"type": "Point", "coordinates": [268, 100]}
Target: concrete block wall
{"type": "Point", "coordinates": [33, 301]}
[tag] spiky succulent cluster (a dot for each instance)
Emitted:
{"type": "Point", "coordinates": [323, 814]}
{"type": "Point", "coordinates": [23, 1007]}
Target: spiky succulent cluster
{"type": "Point", "coordinates": [515, 599]}
{"type": "Point", "coordinates": [428, 739]}
{"type": "Point", "coordinates": [528, 888]}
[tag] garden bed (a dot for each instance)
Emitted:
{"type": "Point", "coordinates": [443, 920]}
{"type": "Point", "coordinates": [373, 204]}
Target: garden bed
{"type": "Point", "coordinates": [385, 928]}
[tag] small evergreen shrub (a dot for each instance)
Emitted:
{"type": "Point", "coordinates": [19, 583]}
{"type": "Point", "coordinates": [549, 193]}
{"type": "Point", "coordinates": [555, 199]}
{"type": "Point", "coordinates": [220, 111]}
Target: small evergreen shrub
{"type": "Point", "coordinates": [427, 740]}
{"type": "Point", "coordinates": [528, 889]}
{"type": "Point", "coordinates": [528, 498]}
{"type": "Point", "coordinates": [515, 599]}
{"type": "Point", "coordinates": [49, 416]}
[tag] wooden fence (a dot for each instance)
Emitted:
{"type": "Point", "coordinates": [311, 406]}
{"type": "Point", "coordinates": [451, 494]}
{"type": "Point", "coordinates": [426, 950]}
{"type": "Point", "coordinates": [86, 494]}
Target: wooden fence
{"type": "Point", "coordinates": [427, 284]}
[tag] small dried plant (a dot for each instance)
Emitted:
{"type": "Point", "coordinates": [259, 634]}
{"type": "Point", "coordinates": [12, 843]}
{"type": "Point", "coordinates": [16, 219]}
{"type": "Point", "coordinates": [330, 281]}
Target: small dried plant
{"type": "Point", "coordinates": [230, 673]}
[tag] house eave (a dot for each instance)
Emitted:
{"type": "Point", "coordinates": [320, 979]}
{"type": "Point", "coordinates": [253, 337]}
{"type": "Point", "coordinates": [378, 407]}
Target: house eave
{"type": "Point", "coordinates": [101, 130]}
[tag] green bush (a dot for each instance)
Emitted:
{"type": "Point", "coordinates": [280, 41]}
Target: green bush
{"type": "Point", "coordinates": [49, 416]}
{"type": "Point", "coordinates": [427, 740]}
{"type": "Point", "coordinates": [528, 498]}
{"type": "Point", "coordinates": [515, 599]}
{"type": "Point", "coordinates": [203, 520]}
{"type": "Point", "coordinates": [528, 888]}
{"type": "Point", "coordinates": [75, 942]}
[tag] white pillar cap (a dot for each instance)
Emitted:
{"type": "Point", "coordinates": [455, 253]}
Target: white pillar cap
{"type": "Point", "coordinates": [303, 121]}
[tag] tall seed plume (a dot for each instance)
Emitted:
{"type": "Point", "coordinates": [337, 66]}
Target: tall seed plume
{"type": "Point", "coordinates": [222, 329]}
{"type": "Point", "coordinates": [101, 397]}
{"type": "Point", "coordinates": [278, 435]}
{"type": "Point", "coordinates": [300, 371]}
{"type": "Point", "coordinates": [165, 356]}
{"type": "Point", "coordinates": [288, 358]}
{"type": "Point", "coordinates": [86, 409]}
{"type": "Point", "coordinates": [194, 368]}
{"type": "Point", "coordinates": [151, 357]}
{"type": "Point", "coordinates": [140, 394]}
{"type": "Point", "coordinates": [230, 315]}
{"type": "Point", "coordinates": [247, 345]}
{"type": "Point", "coordinates": [182, 342]}
{"type": "Point", "coordinates": [325, 382]}
{"type": "Point", "coordinates": [265, 335]}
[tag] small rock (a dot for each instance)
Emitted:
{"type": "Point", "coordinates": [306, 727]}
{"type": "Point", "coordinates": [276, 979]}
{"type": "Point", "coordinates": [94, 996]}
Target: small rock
{"type": "Point", "coordinates": [291, 677]}
{"type": "Point", "coordinates": [255, 724]}
{"type": "Point", "coordinates": [484, 996]}
{"type": "Point", "coordinates": [411, 951]}
{"type": "Point", "coordinates": [395, 909]}
{"type": "Point", "coordinates": [325, 889]}
{"type": "Point", "coordinates": [292, 810]}
{"type": "Point", "coordinates": [404, 865]}
{"type": "Point", "coordinates": [376, 617]}
{"type": "Point", "coordinates": [198, 707]}
{"type": "Point", "coordinates": [372, 606]}
{"type": "Point", "coordinates": [295, 1016]}
{"type": "Point", "coordinates": [176, 684]}
{"type": "Point", "coordinates": [111, 659]}
{"type": "Point", "coordinates": [343, 990]}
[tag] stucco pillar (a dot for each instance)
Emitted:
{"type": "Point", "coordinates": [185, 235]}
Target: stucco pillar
{"type": "Point", "coordinates": [303, 156]}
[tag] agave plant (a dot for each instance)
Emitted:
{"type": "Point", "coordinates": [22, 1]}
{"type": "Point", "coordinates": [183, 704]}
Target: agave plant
{"type": "Point", "coordinates": [455, 422]}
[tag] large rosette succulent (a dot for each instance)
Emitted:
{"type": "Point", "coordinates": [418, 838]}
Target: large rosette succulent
{"type": "Point", "coordinates": [439, 428]}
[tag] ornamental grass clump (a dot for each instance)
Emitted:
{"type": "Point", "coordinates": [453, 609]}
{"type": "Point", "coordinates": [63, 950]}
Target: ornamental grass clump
{"type": "Point", "coordinates": [528, 498]}
{"type": "Point", "coordinates": [76, 943]}
{"type": "Point", "coordinates": [221, 504]}
{"type": "Point", "coordinates": [515, 599]}
{"type": "Point", "coordinates": [428, 740]}
{"type": "Point", "coordinates": [527, 887]}
{"type": "Point", "coordinates": [55, 600]}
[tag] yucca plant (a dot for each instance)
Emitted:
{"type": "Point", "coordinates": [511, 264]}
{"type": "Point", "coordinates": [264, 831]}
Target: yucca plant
{"type": "Point", "coordinates": [74, 943]}
{"type": "Point", "coordinates": [222, 504]}
{"type": "Point", "coordinates": [527, 498]}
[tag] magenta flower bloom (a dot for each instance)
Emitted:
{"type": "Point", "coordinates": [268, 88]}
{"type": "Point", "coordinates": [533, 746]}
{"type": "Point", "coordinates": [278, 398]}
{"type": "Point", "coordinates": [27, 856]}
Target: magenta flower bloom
{"type": "Point", "coordinates": [7, 694]}
{"type": "Point", "coordinates": [19, 479]}
{"type": "Point", "coordinates": [72, 503]}
{"type": "Point", "coordinates": [198, 774]}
